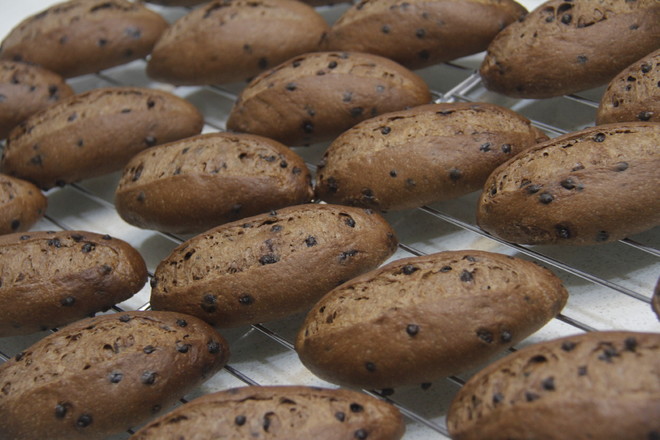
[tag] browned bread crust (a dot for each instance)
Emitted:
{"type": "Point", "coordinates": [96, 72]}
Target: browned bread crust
{"type": "Point", "coordinates": [286, 412]}
{"type": "Point", "coordinates": [423, 318]}
{"type": "Point", "coordinates": [598, 385]}
{"type": "Point", "coordinates": [426, 154]}
{"type": "Point", "coordinates": [420, 33]}
{"type": "Point", "coordinates": [50, 279]}
{"type": "Point", "coordinates": [24, 90]}
{"type": "Point", "coordinates": [271, 265]}
{"type": "Point", "coordinates": [563, 47]}
{"type": "Point", "coordinates": [95, 133]}
{"type": "Point", "coordinates": [634, 94]}
{"type": "Point", "coordinates": [230, 176]}
{"type": "Point", "coordinates": [317, 96]}
{"type": "Point", "coordinates": [21, 204]}
{"type": "Point", "coordinates": [241, 38]}
{"type": "Point", "coordinates": [103, 375]}
{"type": "Point", "coordinates": [84, 36]}
{"type": "Point", "coordinates": [593, 186]}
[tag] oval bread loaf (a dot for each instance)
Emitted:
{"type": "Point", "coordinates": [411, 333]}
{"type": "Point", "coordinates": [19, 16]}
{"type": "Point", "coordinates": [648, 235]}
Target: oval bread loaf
{"type": "Point", "coordinates": [423, 318]}
{"type": "Point", "coordinates": [420, 33]}
{"type": "Point", "coordinates": [24, 90]}
{"type": "Point", "coordinates": [287, 412]}
{"type": "Point", "coordinates": [54, 278]}
{"type": "Point", "coordinates": [96, 132]}
{"type": "Point", "coordinates": [563, 47]}
{"type": "Point", "coordinates": [317, 96]}
{"type": "Point", "coordinates": [103, 375]}
{"type": "Point", "coordinates": [21, 204]}
{"type": "Point", "coordinates": [232, 176]}
{"type": "Point", "coordinates": [84, 36]}
{"type": "Point", "coordinates": [241, 39]}
{"type": "Point", "coordinates": [426, 154]}
{"type": "Point", "coordinates": [271, 265]}
{"type": "Point", "coordinates": [595, 385]}
{"type": "Point", "coordinates": [634, 94]}
{"type": "Point", "coordinates": [592, 186]}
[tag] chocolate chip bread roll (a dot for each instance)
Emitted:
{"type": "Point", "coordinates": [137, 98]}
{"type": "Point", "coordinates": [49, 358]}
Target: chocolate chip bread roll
{"type": "Point", "coordinates": [241, 39]}
{"type": "Point", "coordinates": [317, 96]}
{"type": "Point", "coordinates": [421, 33]}
{"type": "Point", "coordinates": [271, 265]}
{"type": "Point", "coordinates": [419, 319]}
{"type": "Point", "coordinates": [595, 385]}
{"type": "Point", "coordinates": [50, 279]}
{"type": "Point", "coordinates": [593, 186]}
{"type": "Point", "coordinates": [84, 36]}
{"type": "Point", "coordinates": [21, 204]}
{"type": "Point", "coordinates": [101, 376]}
{"type": "Point", "coordinates": [231, 175]}
{"type": "Point", "coordinates": [634, 94]}
{"type": "Point", "coordinates": [425, 154]}
{"type": "Point", "coordinates": [94, 133]}
{"type": "Point", "coordinates": [24, 90]}
{"type": "Point", "coordinates": [563, 47]}
{"type": "Point", "coordinates": [291, 412]}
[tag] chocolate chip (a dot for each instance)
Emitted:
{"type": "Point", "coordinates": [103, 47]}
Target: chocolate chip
{"type": "Point", "coordinates": [116, 377]}
{"type": "Point", "coordinates": [602, 236]}
{"type": "Point", "coordinates": [538, 359]}
{"type": "Point", "coordinates": [181, 322]}
{"type": "Point", "coordinates": [183, 348]}
{"type": "Point", "coordinates": [548, 384]}
{"type": "Point", "coordinates": [268, 259]}
{"type": "Point", "coordinates": [36, 160]}
{"type": "Point", "coordinates": [370, 366]}
{"type": "Point", "coordinates": [466, 276]}
{"type": "Point", "coordinates": [332, 64]}
{"type": "Point", "coordinates": [412, 329]}
{"type": "Point", "coordinates": [385, 130]}
{"type": "Point", "coordinates": [533, 189]}
{"type": "Point", "coordinates": [582, 370]}
{"type": "Point", "coordinates": [246, 300]}
{"type": "Point", "coordinates": [148, 378]}
{"type": "Point", "coordinates": [530, 397]}
{"type": "Point", "coordinates": [563, 232]}
{"type": "Point", "coordinates": [497, 398]}
{"type": "Point", "coordinates": [581, 59]}
{"type": "Point", "coordinates": [349, 221]}
{"type": "Point", "coordinates": [568, 345]}
{"type": "Point", "coordinates": [106, 237]}
{"type": "Point", "coordinates": [424, 54]}
{"type": "Point", "coordinates": [150, 141]}
{"type": "Point", "coordinates": [339, 415]}
{"type": "Point", "coordinates": [644, 116]}
{"type": "Point", "coordinates": [420, 33]}
{"type": "Point", "coordinates": [149, 349]}
{"type": "Point", "coordinates": [77, 237]}
{"type": "Point", "coordinates": [455, 174]}
{"type": "Point", "coordinates": [599, 137]}
{"type": "Point", "coordinates": [506, 148]}
{"type": "Point", "coordinates": [345, 255]}
{"type": "Point", "coordinates": [356, 407]}
{"type": "Point", "coordinates": [15, 224]}
{"type": "Point", "coordinates": [310, 241]}
{"type": "Point", "coordinates": [213, 347]}
{"type": "Point", "coordinates": [333, 187]}
{"type": "Point", "coordinates": [307, 127]}
{"type": "Point", "coordinates": [409, 269]}
{"type": "Point", "coordinates": [485, 335]}
{"type": "Point", "coordinates": [646, 68]}
{"type": "Point", "coordinates": [505, 336]}
{"type": "Point", "coordinates": [296, 170]}
{"type": "Point", "coordinates": [25, 237]}
{"type": "Point", "coordinates": [290, 86]}
{"type": "Point", "coordinates": [567, 183]}
{"type": "Point", "coordinates": [84, 420]}
{"type": "Point", "coordinates": [566, 18]}
{"type": "Point", "coordinates": [102, 42]}
{"type": "Point", "coordinates": [608, 354]}
{"type": "Point", "coordinates": [150, 103]}
{"type": "Point", "coordinates": [19, 356]}
{"type": "Point", "coordinates": [61, 410]}
{"type": "Point", "coordinates": [262, 63]}
{"type": "Point", "coordinates": [385, 29]}
{"type": "Point", "coordinates": [124, 318]}
{"type": "Point", "coordinates": [410, 183]}
{"type": "Point", "coordinates": [360, 434]}
{"type": "Point", "coordinates": [392, 173]}
{"type": "Point", "coordinates": [55, 242]}
{"type": "Point", "coordinates": [87, 248]}
{"type": "Point", "coordinates": [485, 147]}
{"type": "Point", "coordinates": [621, 166]}
{"type": "Point", "coordinates": [630, 343]}
{"type": "Point", "coordinates": [356, 111]}
{"type": "Point", "coordinates": [445, 269]}
{"type": "Point", "coordinates": [68, 301]}
{"type": "Point", "coordinates": [546, 198]}
{"type": "Point", "coordinates": [240, 420]}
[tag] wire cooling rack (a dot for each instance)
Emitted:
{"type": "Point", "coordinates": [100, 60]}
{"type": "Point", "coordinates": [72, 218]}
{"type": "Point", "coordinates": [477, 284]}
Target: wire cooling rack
{"type": "Point", "coordinates": [610, 285]}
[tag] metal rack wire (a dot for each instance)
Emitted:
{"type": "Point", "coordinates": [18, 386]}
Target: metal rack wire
{"type": "Point", "coordinates": [610, 285]}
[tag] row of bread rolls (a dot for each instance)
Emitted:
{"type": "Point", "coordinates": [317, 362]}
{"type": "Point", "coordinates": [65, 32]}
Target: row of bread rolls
{"type": "Point", "coordinates": [266, 257]}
